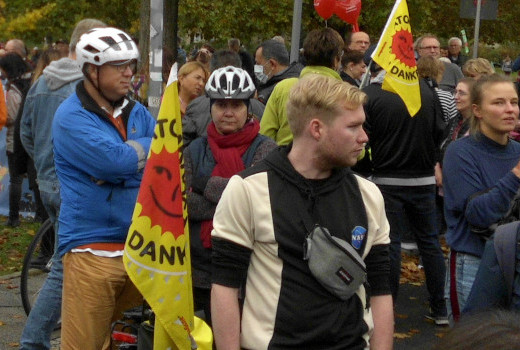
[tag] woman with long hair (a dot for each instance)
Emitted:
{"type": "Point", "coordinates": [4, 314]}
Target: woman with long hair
{"type": "Point", "coordinates": [481, 176]}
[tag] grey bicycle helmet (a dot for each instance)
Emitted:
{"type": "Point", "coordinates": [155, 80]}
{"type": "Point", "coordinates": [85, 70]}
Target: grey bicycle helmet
{"type": "Point", "coordinates": [103, 45]}
{"type": "Point", "coordinates": [230, 83]}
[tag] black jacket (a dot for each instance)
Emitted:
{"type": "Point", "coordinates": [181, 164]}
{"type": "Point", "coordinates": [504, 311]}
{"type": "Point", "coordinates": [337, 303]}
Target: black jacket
{"type": "Point", "coordinates": [265, 90]}
{"type": "Point", "coordinates": [403, 146]}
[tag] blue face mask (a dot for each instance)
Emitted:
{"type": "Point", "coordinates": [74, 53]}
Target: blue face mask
{"type": "Point", "coordinates": [260, 75]}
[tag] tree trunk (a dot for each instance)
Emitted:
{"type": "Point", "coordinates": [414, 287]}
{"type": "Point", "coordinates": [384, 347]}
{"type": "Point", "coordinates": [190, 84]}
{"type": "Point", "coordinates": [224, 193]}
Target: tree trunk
{"type": "Point", "coordinates": [144, 33]}
{"type": "Point", "coordinates": [171, 16]}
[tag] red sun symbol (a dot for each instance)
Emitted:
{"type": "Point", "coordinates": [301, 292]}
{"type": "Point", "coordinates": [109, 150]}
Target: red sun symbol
{"type": "Point", "coordinates": [161, 194]}
{"type": "Point", "coordinates": [402, 47]}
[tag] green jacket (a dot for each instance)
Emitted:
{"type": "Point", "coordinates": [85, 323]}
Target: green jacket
{"type": "Point", "coordinates": [274, 121]}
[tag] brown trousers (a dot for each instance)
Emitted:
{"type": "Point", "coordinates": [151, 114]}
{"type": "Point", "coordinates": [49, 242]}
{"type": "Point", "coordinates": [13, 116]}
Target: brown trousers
{"type": "Point", "coordinates": [96, 290]}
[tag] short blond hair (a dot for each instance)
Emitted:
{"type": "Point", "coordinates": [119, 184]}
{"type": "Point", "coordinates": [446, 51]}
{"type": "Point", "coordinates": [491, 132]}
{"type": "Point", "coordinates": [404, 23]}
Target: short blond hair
{"type": "Point", "coordinates": [321, 97]}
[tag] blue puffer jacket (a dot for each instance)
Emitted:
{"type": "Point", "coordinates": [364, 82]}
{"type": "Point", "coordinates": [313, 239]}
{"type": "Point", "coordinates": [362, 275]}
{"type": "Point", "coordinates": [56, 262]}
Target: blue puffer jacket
{"type": "Point", "coordinates": [99, 172]}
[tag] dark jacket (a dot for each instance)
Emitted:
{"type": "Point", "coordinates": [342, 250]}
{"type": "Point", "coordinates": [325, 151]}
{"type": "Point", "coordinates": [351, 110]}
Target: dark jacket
{"type": "Point", "coordinates": [265, 90]}
{"type": "Point", "coordinates": [205, 192]}
{"type": "Point", "coordinates": [459, 60]}
{"type": "Point", "coordinates": [345, 77]}
{"type": "Point", "coordinates": [403, 146]}
{"type": "Point", "coordinates": [198, 116]}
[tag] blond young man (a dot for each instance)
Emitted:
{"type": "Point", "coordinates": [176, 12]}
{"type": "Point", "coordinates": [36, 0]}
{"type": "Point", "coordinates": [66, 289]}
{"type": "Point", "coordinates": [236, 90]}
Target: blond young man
{"type": "Point", "coordinates": [259, 230]}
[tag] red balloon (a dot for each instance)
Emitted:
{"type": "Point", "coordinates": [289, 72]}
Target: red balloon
{"type": "Point", "coordinates": [325, 8]}
{"type": "Point", "coordinates": [348, 10]}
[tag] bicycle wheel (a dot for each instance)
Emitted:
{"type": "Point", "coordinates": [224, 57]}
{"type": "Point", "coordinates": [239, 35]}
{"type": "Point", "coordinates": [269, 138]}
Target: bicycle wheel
{"type": "Point", "coordinates": [36, 264]}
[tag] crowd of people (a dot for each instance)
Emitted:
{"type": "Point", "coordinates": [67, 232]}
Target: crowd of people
{"type": "Point", "coordinates": [273, 151]}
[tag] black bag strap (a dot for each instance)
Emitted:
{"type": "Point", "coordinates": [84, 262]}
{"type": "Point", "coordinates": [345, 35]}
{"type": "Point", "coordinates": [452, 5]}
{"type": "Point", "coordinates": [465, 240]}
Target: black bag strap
{"type": "Point", "coordinates": [309, 227]}
{"type": "Point", "coordinates": [505, 240]}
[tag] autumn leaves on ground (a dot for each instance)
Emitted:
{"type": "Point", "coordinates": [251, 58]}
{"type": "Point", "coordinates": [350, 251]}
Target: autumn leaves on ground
{"type": "Point", "coordinates": [412, 273]}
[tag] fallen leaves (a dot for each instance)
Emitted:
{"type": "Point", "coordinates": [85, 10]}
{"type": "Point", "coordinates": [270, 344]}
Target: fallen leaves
{"type": "Point", "coordinates": [411, 273]}
{"type": "Point", "coordinates": [402, 335]}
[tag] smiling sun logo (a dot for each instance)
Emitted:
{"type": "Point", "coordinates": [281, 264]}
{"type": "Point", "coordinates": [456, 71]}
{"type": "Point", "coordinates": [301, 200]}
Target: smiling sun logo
{"type": "Point", "coordinates": [402, 47]}
{"type": "Point", "coordinates": [161, 194]}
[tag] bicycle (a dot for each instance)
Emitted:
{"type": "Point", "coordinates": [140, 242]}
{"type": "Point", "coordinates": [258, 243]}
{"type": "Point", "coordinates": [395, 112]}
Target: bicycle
{"type": "Point", "coordinates": [36, 264]}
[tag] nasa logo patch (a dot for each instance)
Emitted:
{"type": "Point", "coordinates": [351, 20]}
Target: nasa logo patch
{"type": "Point", "coordinates": [358, 235]}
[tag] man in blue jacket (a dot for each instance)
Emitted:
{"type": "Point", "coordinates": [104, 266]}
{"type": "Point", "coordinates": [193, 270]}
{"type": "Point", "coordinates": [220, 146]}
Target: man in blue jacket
{"type": "Point", "coordinates": [57, 82]}
{"type": "Point", "coordinates": [101, 140]}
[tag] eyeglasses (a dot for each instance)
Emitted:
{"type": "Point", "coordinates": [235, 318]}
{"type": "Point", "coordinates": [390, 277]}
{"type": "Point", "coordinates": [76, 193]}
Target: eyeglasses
{"type": "Point", "coordinates": [121, 68]}
{"type": "Point", "coordinates": [461, 93]}
{"type": "Point", "coordinates": [430, 47]}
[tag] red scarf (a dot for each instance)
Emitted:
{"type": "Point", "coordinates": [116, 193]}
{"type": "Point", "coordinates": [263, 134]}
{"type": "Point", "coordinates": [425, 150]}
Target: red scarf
{"type": "Point", "coordinates": [227, 151]}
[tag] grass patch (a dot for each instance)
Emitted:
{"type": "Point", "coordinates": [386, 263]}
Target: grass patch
{"type": "Point", "coordinates": [13, 244]}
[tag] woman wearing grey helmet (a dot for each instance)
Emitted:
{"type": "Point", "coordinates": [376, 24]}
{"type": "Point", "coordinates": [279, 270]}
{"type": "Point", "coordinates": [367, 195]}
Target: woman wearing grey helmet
{"type": "Point", "coordinates": [232, 145]}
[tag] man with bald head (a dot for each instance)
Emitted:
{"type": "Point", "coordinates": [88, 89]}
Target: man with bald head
{"type": "Point", "coordinates": [359, 41]}
{"type": "Point", "coordinates": [17, 46]}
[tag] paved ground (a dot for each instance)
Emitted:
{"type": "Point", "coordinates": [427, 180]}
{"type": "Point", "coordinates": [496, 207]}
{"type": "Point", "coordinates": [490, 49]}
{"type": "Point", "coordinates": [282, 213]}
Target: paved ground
{"type": "Point", "coordinates": [413, 331]}
{"type": "Point", "coordinates": [12, 316]}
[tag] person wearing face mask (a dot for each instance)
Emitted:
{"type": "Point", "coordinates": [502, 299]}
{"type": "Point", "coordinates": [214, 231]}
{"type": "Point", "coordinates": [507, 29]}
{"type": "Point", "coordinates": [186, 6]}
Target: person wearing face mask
{"type": "Point", "coordinates": [322, 49]}
{"type": "Point", "coordinates": [272, 66]}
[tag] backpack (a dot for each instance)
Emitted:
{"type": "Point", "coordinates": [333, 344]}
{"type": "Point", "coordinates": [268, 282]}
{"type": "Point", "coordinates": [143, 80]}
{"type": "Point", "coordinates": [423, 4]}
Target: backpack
{"type": "Point", "coordinates": [506, 241]}
{"type": "Point", "coordinates": [497, 282]}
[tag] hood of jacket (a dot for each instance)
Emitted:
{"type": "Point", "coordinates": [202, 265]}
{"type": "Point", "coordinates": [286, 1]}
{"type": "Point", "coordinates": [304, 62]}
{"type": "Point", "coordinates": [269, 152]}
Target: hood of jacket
{"type": "Point", "coordinates": [279, 162]}
{"type": "Point", "coordinates": [61, 72]}
{"type": "Point", "coordinates": [320, 70]}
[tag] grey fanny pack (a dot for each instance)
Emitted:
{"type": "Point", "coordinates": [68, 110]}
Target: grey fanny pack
{"type": "Point", "coordinates": [334, 263]}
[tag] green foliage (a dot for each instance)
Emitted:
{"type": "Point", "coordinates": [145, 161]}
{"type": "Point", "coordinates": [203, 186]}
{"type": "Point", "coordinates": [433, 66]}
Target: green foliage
{"type": "Point", "coordinates": [32, 20]}
{"type": "Point", "coordinates": [14, 243]}
{"type": "Point", "coordinates": [250, 20]}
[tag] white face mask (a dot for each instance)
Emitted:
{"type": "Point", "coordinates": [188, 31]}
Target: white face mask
{"type": "Point", "coordinates": [260, 75]}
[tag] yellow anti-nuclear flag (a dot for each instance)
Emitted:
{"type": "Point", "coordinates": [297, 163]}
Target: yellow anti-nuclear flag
{"type": "Point", "coordinates": [395, 54]}
{"type": "Point", "coordinates": [157, 250]}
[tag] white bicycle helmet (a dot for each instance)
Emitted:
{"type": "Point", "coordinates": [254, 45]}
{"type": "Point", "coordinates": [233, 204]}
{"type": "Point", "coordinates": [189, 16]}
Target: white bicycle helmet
{"type": "Point", "coordinates": [230, 83]}
{"type": "Point", "coordinates": [103, 45]}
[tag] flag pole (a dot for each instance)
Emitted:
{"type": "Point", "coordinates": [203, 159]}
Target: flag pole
{"type": "Point", "coordinates": [477, 29]}
{"type": "Point", "coordinates": [366, 77]}
{"type": "Point", "coordinates": [296, 31]}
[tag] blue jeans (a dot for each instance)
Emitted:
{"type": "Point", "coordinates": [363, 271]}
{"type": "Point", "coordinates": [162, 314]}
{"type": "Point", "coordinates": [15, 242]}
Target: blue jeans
{"type": "Point", "coordinates": [466, 267]}
{"type": "Point", "coordinates": [413, 208]}
{"type": "Point", "coordinates": [46, 311]}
